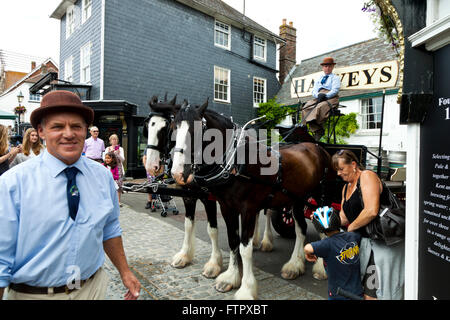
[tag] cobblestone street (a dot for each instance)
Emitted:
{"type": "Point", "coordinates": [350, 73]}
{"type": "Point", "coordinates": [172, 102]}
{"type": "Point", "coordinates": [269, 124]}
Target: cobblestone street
{"type": "Point", "coordinates": [150, 245]}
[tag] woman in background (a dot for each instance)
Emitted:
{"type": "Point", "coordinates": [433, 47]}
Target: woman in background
{"type": "Point", "coordinates": [120, 155]}
{"type": "Point", "coordinates": [31, 147]}
{"type": "Point", "coordinates": [7, 155]}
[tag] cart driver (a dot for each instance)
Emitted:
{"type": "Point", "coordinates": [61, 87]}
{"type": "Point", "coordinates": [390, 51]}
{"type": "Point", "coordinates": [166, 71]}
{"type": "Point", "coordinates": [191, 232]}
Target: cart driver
{"type": "Point", "coordinates": [325, 91]}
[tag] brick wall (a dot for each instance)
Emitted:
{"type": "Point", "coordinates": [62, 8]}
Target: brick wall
{"type": "Point", "coordinates": [287, 51]}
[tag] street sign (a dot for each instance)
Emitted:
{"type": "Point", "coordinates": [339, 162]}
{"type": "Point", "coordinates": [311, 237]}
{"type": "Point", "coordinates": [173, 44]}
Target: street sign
{"type": "Point", "coordinates": [434, 212]}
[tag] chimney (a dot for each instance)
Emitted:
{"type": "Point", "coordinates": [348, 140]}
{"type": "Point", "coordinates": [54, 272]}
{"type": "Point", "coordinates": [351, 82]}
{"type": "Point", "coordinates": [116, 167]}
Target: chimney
{"type": "Point", "coordinates": [288, 50]}
{"type": "Point", "coordinates": [33, 65]}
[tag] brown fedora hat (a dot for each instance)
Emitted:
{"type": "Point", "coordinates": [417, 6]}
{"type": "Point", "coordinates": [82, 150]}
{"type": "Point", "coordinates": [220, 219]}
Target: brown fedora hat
{"type": "Point", "coordinates": [328, 60]}
{"type": "Point", "coordinates": [61, 101]}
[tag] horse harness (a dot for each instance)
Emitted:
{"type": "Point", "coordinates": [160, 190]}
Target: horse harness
{"type": "Point", "coordinates": [165, 150]}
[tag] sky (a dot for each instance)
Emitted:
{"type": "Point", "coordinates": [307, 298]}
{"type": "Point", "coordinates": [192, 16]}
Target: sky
{"type": "Point", "coordinates": [322, 25]}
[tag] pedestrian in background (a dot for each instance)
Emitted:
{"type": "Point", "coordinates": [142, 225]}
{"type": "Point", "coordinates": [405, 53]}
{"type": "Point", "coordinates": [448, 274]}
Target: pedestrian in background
{"type": "Point", "coordinates": [59, 214]}
{"type": "Point", "coordinates": [150, 197]}
{"type": "Point", "coordinates": [120, 156]}
{"type": "Point", "coordinates": [94, 146]}
{"type": "Point", "coordinates": [111, 164]}
{"type": "Point", "coordinates": [31, 147]}
{"type": "Point", "coordinates": [7, 154]}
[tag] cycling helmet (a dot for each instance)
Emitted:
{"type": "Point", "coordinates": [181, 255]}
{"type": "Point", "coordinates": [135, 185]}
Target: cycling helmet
{"type": "Point", "coordinates": [326, 219]}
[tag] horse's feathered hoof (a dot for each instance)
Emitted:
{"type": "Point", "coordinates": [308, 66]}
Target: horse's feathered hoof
{"type": "Point", "coordinates": [289, 275]}
{"type": "Point", "coordinates": [319, 276]}
{"type": "Point", "coordinates": [318, 270]}
{"type": "Point", "coordinates": [266, 246]}
{"type": "Point", "coordinates": [223, 287]}
{"type": "Point", "coordinates": [211, 270]}
{"type": "Point", "coordinates": [180, 261]}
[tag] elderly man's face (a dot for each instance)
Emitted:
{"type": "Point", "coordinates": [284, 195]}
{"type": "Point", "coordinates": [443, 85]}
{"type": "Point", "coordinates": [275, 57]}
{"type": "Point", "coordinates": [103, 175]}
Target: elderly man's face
{"type": "Point", "coordinates": [94, 133]}
{"type": "Point", "coordinates": [327, 68]}
{"type": "Point", "coordinates": [64, 134]}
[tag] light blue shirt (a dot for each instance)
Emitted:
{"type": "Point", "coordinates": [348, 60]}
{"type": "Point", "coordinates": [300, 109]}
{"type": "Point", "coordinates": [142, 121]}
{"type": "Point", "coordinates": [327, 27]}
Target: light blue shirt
{"type": "Point", "coordinates": [40, 245]}
{"type": "Point", "coordinates": [333, 84]}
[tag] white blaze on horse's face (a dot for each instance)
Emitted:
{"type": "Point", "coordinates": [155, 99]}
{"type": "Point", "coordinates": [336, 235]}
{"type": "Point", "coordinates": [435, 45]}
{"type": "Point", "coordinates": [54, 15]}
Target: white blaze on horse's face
{"type": "Point", "coordinates": [179, 158]}
{"type": "Point", "coordinates": [155, 125]}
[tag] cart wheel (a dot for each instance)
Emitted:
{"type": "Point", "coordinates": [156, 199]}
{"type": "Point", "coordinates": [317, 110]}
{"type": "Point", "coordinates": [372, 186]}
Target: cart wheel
{"type": "Point", "coordinates": [283, 222]}
{"type": "Point", "coordinates": [176, 212]}
{"type": "Point", "coordinates": [163, 213]}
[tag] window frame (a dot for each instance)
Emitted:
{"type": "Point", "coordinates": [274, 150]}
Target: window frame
{"type": "Point", "coordinates": [376, 104]}
{"type": "Point", "coordinates": [34, 97]}
{"type": "Point", "coordinates": [264, 47]}
{"type": "Point", "coordinates": [228, 33]}
{"type": "Point", "coordinates": [84, 67]}
{"type": "Point", "coordinates": [228, 85]}
{"type": "Point", "coordinates": [86, 10]}
{"type": "Point", "coordinates": [264, 93]}
{"type": "Point", "coordinates": [68, 76]}
{"type": "Point", "coordinates": [70, 20]}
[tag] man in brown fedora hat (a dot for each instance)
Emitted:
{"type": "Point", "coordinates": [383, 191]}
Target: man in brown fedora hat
{"type": "Point", "coordinates": [56, 220]}
{"type": "Point", "coordinates": [325, 91]}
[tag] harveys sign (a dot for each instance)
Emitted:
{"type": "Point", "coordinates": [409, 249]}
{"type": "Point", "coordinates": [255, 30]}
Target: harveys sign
{"type": "Point", "coordinates": [360, 77]}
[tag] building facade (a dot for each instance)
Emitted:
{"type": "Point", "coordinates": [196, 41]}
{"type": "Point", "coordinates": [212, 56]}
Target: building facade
{"type": "Point", "coordinates": [9, 98]}
{"type": "Point", "coordinates": [367, 70]}
{"type": "Point", "coordinates": [131, 50]}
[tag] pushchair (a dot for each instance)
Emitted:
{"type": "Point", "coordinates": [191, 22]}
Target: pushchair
{"type": "Point", "coordinates": [165, 203]}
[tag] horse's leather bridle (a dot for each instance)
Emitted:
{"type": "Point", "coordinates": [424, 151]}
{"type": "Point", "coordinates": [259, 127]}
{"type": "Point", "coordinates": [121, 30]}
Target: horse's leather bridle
{"type": "Point", "coordinates": [163, 151]}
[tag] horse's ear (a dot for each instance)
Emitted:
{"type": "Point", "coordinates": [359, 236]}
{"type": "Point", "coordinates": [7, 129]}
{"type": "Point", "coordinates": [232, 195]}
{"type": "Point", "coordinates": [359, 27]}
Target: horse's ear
{"type": "Point", "coordinates": [185, 103]}
{"type": "Point", "coordinates": [203, 107]}
{"type": "Point", "coordinates": [173, 101]}
{"type": "Point", "coordinates": [165, 97]}
{"type": "Point", "coordinates": [153, 101]}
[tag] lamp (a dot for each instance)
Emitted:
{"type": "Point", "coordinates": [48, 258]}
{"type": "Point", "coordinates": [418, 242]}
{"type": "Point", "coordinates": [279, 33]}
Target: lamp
{"type": "Point", "coordinates": [19, 110]}
{"type": "Point", "coordinates": [20, 97]}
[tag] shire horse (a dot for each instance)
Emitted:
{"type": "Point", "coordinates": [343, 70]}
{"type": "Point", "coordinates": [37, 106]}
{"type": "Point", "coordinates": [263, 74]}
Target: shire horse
{"type": "Point", "coordinates": [158, 148]}
{"type": "Point", "coordinates": [247, 191]}
{"type": "Point", "coordinates": [159, 145]}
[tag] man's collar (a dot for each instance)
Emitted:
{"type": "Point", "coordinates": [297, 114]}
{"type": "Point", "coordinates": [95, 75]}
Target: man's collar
{"type": "Point", "coordinates": [56, 166]}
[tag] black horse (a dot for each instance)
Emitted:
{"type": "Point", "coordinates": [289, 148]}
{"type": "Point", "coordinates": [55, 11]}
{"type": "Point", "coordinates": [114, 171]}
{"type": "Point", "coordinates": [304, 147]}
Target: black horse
{"type": "Point", "coordinates": [158, 148]}
{"type": "Point", "coordinates": [243, 189]}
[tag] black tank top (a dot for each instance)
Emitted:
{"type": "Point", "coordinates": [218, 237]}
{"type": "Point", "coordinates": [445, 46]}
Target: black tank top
{"type": "Point", "coordinates": [353, 207]}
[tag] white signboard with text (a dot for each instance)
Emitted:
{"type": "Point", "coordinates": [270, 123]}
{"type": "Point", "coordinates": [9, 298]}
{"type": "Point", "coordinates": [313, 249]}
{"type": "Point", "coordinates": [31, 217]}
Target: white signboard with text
{"type": "Point", "coordinates": [359, 77]}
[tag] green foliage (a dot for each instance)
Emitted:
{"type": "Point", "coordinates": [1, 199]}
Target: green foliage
{"type": "Point", "coordinates": [346, 126]}
{"type": "Point", "coordinates": [273, 111]}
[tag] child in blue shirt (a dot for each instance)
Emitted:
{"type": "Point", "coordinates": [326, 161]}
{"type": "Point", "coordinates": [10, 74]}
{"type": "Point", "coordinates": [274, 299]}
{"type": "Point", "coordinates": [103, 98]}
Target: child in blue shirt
{"type": "Point", "coordinates": [340, 251]}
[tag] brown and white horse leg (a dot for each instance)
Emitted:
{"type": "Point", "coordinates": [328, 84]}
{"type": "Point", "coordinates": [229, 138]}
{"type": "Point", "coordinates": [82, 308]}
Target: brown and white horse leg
{"type": "Point", "coordinates": [231, 278]}
{"type": "Point", "coordinates": [267, 242]}
{"type": "Point", "coordinates": [249, 285]}
{"type": "Point", "coordinates": [318, 269]}
{"type": "Point", "coordinates": [256, 233]}
{"type": "Point", "coordinates": [186, 254]}
{"type": "Point", "coordinates": [296, 265]}
{"type": "Point", "coordinates": [214, 265]}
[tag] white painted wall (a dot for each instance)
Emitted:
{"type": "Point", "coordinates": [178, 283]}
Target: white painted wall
{"type": "Point", "coordinates": [394, 135]}
{"type": "Point", "coordinates": [9, 101]}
